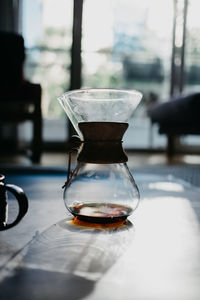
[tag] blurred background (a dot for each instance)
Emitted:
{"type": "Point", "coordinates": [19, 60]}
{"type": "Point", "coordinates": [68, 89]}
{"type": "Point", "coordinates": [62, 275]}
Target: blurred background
{"type": "Point", "coordinates": [152, 46]}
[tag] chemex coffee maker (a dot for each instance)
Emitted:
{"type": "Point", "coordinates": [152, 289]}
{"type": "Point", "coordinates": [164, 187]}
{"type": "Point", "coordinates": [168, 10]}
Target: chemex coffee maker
{"type": "Point", "coordinates": [101, 188]}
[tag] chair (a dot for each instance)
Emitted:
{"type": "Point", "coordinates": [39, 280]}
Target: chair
{"type": "Point", "coordinates": [176, 117]}
{"type": "Point", "coordinates": [20, 100]}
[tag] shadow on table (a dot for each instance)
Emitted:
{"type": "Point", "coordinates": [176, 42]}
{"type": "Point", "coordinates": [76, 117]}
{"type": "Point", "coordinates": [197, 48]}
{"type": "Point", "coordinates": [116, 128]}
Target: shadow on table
{"type": "Point", "coordinates": [39, 284]}
{"type": "Point", "coordinates": [65, 261]}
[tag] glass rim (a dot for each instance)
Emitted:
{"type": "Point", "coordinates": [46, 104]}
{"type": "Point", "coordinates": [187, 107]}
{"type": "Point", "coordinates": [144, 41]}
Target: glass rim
{"type": "Point", "coordinates": [92, 90]}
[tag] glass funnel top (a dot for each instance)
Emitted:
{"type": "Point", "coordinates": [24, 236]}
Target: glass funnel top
{"type": "Point", "coordinates": [99, 105]}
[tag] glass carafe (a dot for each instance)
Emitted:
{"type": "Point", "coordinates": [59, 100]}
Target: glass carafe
{"type": "Point", "coordinates": [101, 188]}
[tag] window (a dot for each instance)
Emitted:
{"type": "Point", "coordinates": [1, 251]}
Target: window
{"type": "Point", "coordinates": [127, 44]}
{"type": "Point", "coordinates": [47, 27]}
{"type": "Point", "coordinates": [192, 62]}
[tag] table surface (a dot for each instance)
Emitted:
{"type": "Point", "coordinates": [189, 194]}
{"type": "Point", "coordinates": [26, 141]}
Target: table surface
{"type": "Point", "coordinates": [155, 255]}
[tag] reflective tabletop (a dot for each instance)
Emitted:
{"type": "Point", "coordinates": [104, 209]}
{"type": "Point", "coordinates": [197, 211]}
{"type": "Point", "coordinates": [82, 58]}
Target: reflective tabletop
{"type": "Point", "coordinates": [155, 254]}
